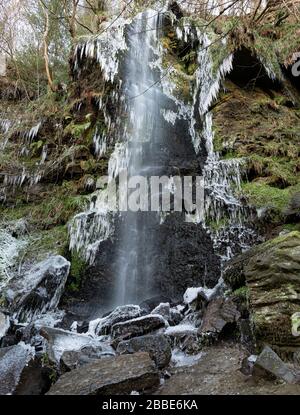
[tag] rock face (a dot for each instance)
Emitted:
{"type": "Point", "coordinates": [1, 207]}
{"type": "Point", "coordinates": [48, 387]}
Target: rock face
{"type": "Point", "coordinates": [39, 290]}
{"type": "Point", "coordinates": [138, 326]}
{"type": "Point", "coordinates": [113, 376]}
{"type": "Point", "coordinates": [273, 278]}
{"type": "Point", "coordinates": [269, 361]}
{"type": "Point", "coordinates": [219, 312]}
{"type": "Point", "coordinates": [157, 346]}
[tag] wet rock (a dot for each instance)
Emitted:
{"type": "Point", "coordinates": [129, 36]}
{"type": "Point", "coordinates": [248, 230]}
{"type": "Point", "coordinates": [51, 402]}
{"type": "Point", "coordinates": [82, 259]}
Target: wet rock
{"type": "Point", "coordinates": [13, 362]}
{"type": "Point", "coordinates": [270, 362]}
{"type": "Point", "coordinates": [218, 314]}
{"type": "Point", "coordinates": [82, 327]}
{"type": "Point", "coordinates": [175, 316]}
{"type": "Point", "coordinates": [103, 325]}
{"type": "Point", "coordinates": [113, 376]}
{"type": "Point", "coordinates": [59, 341]}
{"type": "Point", "coordinates": [71, 359]}
{"type": "Point", "coordinates": [39, 290]}
{"type": "Point", "coordinates": [157, 346]}
{"type": "Point", "coordinates": [138, 326]}
{"type": "Point", "coordinates": [4, 325]}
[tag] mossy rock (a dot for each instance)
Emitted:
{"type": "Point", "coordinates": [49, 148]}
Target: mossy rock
{"type": "Point", "coordinates": [273, 278]}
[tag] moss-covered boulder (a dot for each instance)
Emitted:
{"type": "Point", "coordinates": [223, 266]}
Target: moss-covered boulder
{"type": "Point", "coordinates": [273, 278]}
{"type": "Point", "coordinates": [271, 273]}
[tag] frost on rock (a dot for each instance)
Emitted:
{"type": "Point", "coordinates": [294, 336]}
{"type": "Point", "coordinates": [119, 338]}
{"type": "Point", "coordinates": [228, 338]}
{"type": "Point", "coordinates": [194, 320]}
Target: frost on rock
{"type": "Point", "coordinates": [60, 341]}
{"type": "Point", "coordinates": [13, 361]}
{"type": "Point", "coordinates": [103, 325]}
{"type": "Point", "coordinates": [39, 290]}
{"type": "Point", "coordinates": [208, 294]}
{"type": "Point", "coordinates": [181, 329]}
{"type": "Point", "coordinates": [10, 248]}
{"type": "Point", "coordinates": [88, 229]}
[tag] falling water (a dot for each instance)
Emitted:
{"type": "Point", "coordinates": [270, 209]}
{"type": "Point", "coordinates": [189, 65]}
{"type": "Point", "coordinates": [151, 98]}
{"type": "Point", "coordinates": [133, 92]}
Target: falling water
{"type": "Point", "coordinates": [144, 101]}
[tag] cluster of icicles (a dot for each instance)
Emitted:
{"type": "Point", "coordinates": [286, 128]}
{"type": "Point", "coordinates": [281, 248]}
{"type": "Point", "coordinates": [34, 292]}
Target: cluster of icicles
{"type": "Point", "coordinates": [222, 177]}
{"type": "Point", "coordinates": [12, 181]}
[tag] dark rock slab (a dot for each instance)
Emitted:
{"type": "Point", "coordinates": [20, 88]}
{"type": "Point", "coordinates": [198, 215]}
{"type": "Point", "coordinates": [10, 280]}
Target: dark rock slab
{"type": "Point", "coordinates": [113, 376]}
{"type": "Point", "coordinates": [157, 346]}
{"type": "Point", "coordinates": [138, 326]}
{"type": "Point", "coordinates": [72, 359]}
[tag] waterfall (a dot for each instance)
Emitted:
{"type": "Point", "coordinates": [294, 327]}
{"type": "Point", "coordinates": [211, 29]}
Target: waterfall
{"type": "Point", "coordinates": [144, 99]}
{"type": "Point", "coordinates": [151, 115]}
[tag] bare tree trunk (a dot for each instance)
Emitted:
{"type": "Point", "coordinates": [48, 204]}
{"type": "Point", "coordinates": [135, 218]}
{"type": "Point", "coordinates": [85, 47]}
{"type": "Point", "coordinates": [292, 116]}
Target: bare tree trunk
{"type": "Point", "coordinates": [46, 57]}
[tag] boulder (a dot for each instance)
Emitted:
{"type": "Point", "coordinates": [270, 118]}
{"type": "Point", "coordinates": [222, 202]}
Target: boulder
{"type": "Point", "coordinates": [113, 376]}
{"type": "Point", "coordinates": [182, 330]}
{"type": "Point", "coordinates": [273, 281]}
{"type": "Point", "coordinates": [60, 341]}
{"type": "Point", "coordinates": [138, 326]}
{"type": "Point", "coordinates": [102, 326]}
{"type": "Point", "coordinates": [172, 315]}
{"type": "Point", "coordinates": [163, 309]}
{"type": "Point", "coordinates": [39, 290]}
{"type": "Point", "coordinates": [270, 362]}
{"type": "Point", "coordinates": [72, 359]}
{"type": "Point", "coordinates": [219, 312]}
{"type": "Point", "coordinates": [4, 325]}
{"type": "Point", "coordinates": [157, 346]}
{"type": "Point", "coordinates": [13, 360]}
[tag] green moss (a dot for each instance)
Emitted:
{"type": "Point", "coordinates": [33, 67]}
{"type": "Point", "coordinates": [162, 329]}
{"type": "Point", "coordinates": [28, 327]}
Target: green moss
{"type": "Point", "coordinates": [262, 195]}
{"type": "Point", "coordinates": [78, 267]}
{"type": "Point", "coordinates": [242, 292]}
{"type": "Point", "coordinates": [53, 241]}
{"type": "Point", "coordinates": [77, 130]}
{"type": "Point", "coordinates": [56, 207]}
{"type": "Point", "coordinates": [217, 225]}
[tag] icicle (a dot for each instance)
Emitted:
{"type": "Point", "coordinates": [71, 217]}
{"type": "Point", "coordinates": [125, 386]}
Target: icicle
{"type": "Point", "coordinates": [104, 48]}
